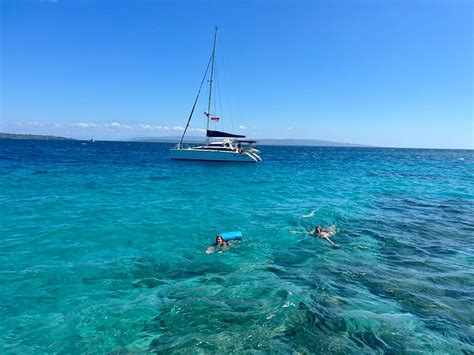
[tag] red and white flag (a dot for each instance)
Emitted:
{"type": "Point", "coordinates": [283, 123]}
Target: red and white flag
{"type": "Point", "coordinates": [215, 118]}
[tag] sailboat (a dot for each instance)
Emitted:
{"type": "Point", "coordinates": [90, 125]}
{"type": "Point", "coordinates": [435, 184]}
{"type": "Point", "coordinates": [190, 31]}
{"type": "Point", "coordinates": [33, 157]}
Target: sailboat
{"type": "Point", "coordinates": [219, 146]}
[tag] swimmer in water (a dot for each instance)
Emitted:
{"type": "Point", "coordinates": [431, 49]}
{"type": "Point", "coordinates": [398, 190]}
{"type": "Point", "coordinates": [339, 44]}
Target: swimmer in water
{"type": "Point", "coordinates": [319, 232]}
{"type": "Point", "coordinates": [220, 242]}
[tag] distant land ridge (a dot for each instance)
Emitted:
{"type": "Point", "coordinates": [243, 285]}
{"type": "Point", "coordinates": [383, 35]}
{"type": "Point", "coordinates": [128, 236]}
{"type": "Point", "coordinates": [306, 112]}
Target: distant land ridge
{"type": "Point", "coordinates": [281, 142]}
{"type": "Point", "coordinates": [32, 136]}
{"type": "Point", "coordinates": [197, 140]}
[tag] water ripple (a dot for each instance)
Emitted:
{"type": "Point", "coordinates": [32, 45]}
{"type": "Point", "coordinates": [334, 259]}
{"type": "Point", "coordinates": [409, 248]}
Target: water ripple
{"type": "Point", "coordinates": [102, 251]}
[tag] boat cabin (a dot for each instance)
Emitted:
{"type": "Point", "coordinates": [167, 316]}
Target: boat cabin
{"type": "Point", "coordinates": [229, 145]}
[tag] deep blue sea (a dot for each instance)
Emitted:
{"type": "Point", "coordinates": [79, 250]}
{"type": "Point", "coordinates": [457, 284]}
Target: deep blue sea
{"type": "Point", "coordinates": [102, 250]}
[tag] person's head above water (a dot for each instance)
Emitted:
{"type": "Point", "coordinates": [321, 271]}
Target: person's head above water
{"type": "Point", "coordinates": [220, 240]}
{"type": "Point", "coordinates": [318, 229]}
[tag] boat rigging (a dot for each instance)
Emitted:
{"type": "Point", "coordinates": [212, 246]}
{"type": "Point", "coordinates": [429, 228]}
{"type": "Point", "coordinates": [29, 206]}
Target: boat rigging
{"type": "Point", "coordinates": [232, 147]}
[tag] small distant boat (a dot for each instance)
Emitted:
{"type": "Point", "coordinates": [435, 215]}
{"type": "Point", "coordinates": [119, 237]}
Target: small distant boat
{"type": "Point", "coordinates": [92, 140]}
{"type": "Point", "coordinates": [229, 148]}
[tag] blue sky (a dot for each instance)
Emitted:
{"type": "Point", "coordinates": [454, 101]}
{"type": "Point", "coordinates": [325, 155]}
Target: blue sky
{"type": "Point", "coordinates": [386, 73]}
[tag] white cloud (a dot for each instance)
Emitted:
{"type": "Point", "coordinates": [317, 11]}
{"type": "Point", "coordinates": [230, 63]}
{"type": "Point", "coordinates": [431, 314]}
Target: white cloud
{"type": "Point", "coordinates": [149, 127]}
{"type": "Point", "coordinates": [115, 126]}
{"type": "Point", "coordinates": [197, 129]}
{"type": "Point", "coordinates": [290, 128]}
{"type": "Point", "coordinates": [242, 127]}
{"type": "Point", "coordinates": [82, 125]}
{"type": "Point", "coordinates": [139, 126]}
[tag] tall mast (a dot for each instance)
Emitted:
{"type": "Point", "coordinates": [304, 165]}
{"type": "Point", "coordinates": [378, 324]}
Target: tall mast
{"type": "Point", "coordinates": [208, 113]}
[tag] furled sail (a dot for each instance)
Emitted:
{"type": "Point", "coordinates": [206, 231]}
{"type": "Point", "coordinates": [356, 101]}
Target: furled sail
{"type": "Point", "coordinates": [219, 134]}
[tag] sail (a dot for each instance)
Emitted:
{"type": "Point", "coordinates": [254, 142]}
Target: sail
{"type": "Point", "coordinates": [219, 134]}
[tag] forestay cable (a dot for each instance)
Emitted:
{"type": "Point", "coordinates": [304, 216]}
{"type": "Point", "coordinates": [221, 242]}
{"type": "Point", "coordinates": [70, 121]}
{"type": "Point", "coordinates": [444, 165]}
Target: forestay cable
{"type": "Point", "coordinates": [195, 102]}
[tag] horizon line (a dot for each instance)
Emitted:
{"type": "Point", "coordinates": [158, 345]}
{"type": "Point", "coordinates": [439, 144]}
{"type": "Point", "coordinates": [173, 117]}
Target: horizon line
{"type": "Point", "coordinates": [139, 140]}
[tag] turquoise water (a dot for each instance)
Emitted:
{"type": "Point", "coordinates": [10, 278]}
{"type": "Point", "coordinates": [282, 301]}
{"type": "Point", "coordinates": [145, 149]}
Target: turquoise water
{"type": "Point", "coordinates": [102, 250]}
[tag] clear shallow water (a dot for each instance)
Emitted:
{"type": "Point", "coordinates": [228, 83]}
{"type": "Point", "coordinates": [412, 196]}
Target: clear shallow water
{"type": "Point", "coordinates": [102, 250]}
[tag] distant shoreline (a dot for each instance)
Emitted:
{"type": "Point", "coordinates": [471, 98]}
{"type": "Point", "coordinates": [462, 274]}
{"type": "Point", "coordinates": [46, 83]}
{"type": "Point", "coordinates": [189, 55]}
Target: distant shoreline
{"type": "Point", "coordinates": [34, 137]}
{"type": "Point", "coordinates": [261, 142]}
{"type": "Point", "coordinates": [200, 140]}
{"type": "Point", "coordinates": [196, 140]}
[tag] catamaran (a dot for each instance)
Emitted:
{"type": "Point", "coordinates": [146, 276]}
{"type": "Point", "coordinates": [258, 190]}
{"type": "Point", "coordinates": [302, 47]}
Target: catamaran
{"type": "Point", "coordinates": [219, 146]}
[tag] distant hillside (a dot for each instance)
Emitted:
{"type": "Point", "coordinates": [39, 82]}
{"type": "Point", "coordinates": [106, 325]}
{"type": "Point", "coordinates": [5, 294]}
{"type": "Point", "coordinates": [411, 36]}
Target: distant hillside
{"type": "Point", "coordinates": [32, 136]}
{"type": "Point", "coordinates": [307, 143]}
{"type": "Point", "coordinates": [281, 142]}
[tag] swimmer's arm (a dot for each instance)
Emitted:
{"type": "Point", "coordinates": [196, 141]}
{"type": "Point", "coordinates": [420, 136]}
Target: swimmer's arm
{"type": "Point", "coordinates": [210, 250]}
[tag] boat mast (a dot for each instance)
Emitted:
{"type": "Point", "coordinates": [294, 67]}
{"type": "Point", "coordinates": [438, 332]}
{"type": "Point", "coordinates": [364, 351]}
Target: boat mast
{"type": "Point", "coordinates": [208, 113]}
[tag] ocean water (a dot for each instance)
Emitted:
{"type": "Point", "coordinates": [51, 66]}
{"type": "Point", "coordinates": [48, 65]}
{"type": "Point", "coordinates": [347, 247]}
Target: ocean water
{"type": "Point", "coordinates": [102, 251]}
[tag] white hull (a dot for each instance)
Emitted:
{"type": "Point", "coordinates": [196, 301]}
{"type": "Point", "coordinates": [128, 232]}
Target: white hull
{"type": "Point", "coordinates": [209, 155]}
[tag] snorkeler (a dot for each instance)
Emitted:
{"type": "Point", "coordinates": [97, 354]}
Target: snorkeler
{"type": "Point", "coordinates": [319, 232]}
{"type": "Point", "coordinates": [220, 242]}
